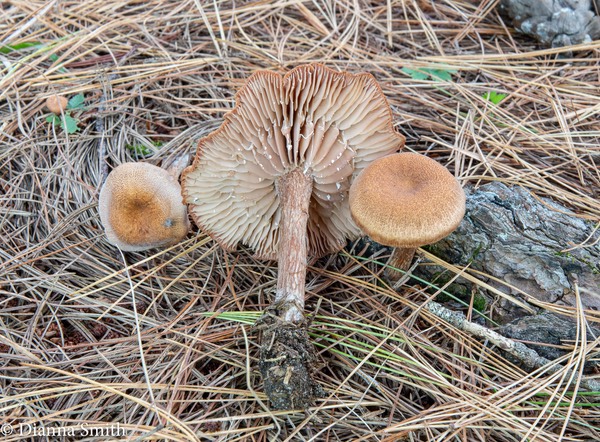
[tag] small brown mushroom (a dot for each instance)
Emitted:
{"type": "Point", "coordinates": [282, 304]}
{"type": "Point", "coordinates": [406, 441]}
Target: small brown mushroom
{"type": "Point", "coordinates": [275, 176]}
{"type": "Point", "coordinates": [406, 201]}
{"type": "Point", "coordinates": [57, 104]}
{"type": "Point", "coordinates": [141, 207]}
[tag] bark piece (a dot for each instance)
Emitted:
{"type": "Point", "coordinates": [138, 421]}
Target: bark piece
{"type": "Point", "coordinates": [551, 330]}
{"type": "Point", "coordinates": [522, 353]}
{"type": "Point", "coordinates": [528, 243]}
{"type": "Point", "coordinates": [554, 23]}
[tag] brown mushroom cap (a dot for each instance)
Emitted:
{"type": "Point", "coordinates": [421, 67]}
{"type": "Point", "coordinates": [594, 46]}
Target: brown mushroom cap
{"type": "Point", "coordinates": [141, 207]}
{"type": "Point", "coordinates": [407, 200]}
{"type": "Point", "coordinates": [57, 104]}
{"type": "Point", "coordinates": [328, 124]}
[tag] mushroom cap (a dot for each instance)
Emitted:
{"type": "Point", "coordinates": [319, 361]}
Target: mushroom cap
{"type": "Point", "coordinates": [57, 104]}
{"type": "Point", "coordinates": [407, 200]}
{"type": "Point", "coordinates": [141, 207]}
{"type": "Point", "coordinates": [329, 124]}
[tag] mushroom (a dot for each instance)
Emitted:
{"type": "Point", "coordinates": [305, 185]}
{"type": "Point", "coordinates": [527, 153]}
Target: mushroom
{"type": "Point", "coordinates": [141, 207]}
{"type": "Point", "coordinates": [57, 104]}
{"type": "Point", "coordinates": [406, 200]}
{"type": "Point", "coordinates": [275, 176]}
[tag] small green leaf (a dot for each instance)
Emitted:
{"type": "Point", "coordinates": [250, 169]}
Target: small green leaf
{"type": "Point", "coordinates": [415, 74]}
{"type": "Point", "coordinates": [7, 49]}
{"type": "Point", "coordinates": [494, 97]}
{"type": "Point", "coordinates": [139, 149]}
{"type": "Point", "coordinates": [428, 73]}
{"type": "Point", "coordinates": [54, 58]}
{"type": "Point", "coordinates": [440, 74]}
{"type": "Point", "coordinates": [69, 124]}
{"type": "Point", "coordinates": [76, 102]}
{"type": "Point", "coordinates": [53, 119]}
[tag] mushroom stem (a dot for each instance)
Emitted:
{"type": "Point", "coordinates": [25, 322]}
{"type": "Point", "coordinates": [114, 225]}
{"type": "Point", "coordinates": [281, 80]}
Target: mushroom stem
{"type": "Point", "coordinates": [287, 356]}
{"type": "Point", "coordinates": [400, 259]}
{"type": "Point", "coordinates": [294, 191]}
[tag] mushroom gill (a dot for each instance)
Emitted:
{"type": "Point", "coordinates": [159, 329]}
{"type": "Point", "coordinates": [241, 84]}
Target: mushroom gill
{"type": "Point", "coordinates": [328, 124]}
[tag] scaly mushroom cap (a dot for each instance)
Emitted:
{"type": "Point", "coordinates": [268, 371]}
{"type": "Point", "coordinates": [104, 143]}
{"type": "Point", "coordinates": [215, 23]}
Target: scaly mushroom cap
{"type": "Point", "coordinates": [141, 207]}
{"type": "Point", "coordinates": [407, 200]}
{"type": "Point", "coordinates": [329, 124]}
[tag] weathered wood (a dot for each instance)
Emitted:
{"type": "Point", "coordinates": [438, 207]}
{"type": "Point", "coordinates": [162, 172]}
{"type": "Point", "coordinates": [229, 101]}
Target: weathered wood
{"type": "Point", "coordinates": [551, 336]}
{"type": "Point", "coordinates": [517, 349]}
{"type": "Point", "coordinates": [535, 245]}
{"type": "Point", "coordinates": [554, 23]}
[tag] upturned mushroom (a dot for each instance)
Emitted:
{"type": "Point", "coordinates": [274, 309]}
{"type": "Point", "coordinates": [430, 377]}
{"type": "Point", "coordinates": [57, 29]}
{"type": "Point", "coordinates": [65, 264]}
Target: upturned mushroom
{"type": "Point", "coordinates": [141, 207]}
{"type": "Point", "coordinates": [406, 200]}
{"type": "Point", "coordinates": [275, 176]}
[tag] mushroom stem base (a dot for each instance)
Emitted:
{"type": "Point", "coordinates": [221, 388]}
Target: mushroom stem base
{"type": "Point", "coordinates": [401, 259]}
{"type": "Point", "coordinates": [287, 356]}
{"type": "Point", "coordinates": [287, 362]}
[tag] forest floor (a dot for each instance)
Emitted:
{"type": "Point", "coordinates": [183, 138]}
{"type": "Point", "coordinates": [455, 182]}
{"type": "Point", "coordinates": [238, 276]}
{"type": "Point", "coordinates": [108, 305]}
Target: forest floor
{"type": "Point", "coordinates": [161, 342]}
